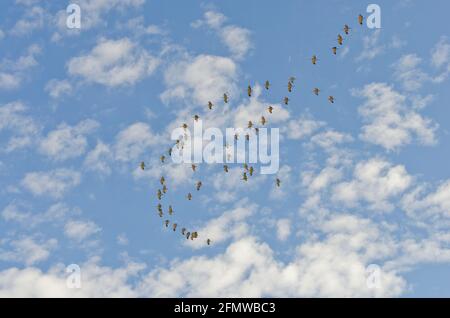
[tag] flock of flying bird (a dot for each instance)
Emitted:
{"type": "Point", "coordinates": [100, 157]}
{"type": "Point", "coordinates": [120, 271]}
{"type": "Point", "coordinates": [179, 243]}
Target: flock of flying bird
{"type": "Point", "coordinates": [247, 170]}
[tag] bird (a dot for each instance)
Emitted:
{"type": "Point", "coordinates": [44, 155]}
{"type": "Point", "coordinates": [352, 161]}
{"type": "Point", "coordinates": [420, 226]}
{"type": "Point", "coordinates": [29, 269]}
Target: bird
{"type": "Point", "coordinates": [292, 79]}
{"type": "Point", "coordinates": [187, 235]}
{"type": "Point", "coordinates": [289, 86]}
{"type": "Point", "coordinates": [162, 158]}
{"type": "Point", "coordinates": [286, 100]}
{"type": "Point", "coordinates": [142, 165]}
{"type": "Point", "coordinates": [193, 167]}
{"type": "Point", "coordinates": [199, 185]}
{"type": "Point", "coordinates": [270, 109]}
{"type": "Point", "coordinates": [162, 180]}
{"type": "Point", "coordinates": [183, 230]}
{"type": "Point", "coordinates": [340, 39]}
{"type": "Point", "coordinates": [208, 241]}
{"type": "Point", "coordinates": [263, 120]}
{"type": "Point", "coordinates": [159, 207]}
{"type": "Point", "coordinates": [159, 194]}
{"type": "Point", "coordinates": [250, 171]}
{"type": "Point", "coordinates": [316, 91]}
{"type": "Point", "coordinates": [334, 49]}
{"type": "Point", "coordinates": [164, 189]}
{"type": "Point", "coordinates": [167, 222]}
{"type": "Point", "coordinates": [169, 152]}
{"type": "Point", "coordinates": [267, 84]}
{"type": "Point", "coordinates": [346, 29]}
{"type": "Point", "coordinates": [160, 213]}
{"type": "Point", "coordinates": [245, 166]}
{"type": "Point", "coordinates": [250, 124]}
{"type": "Point", "coordinates": [360, 19]}
{"type": "Point", "coordinates": [174, 227]}
{"type": "Point", "coordinates": [225, 168]}
{"type": "Point", "coordinates": [225, 98]}
{"type": "Point", "coordinates": [247, 137]}
{"type": "Point", "coordinates": [331, 99]}
{"type": "Point", "coordinates": [170, 210]}
{"type": "Point", "coordinates": [278, 182]}
{"type": "Point", "coordinates": [210, 105]}
{"type": "Point", "coordinates": [194, 235]}
{"type": "Point", "coordinates": [314, 59]}
{"type": "Point", "coordinates": [189, 196]}
{"type": "Point", "coordinates": [196, 117]}
{"type": "Point", "coordinates": [236, 136]}
{"type": "Point", "coordinates": [244, 176]}
{"type": "Point", "coordinates": [249, 91]}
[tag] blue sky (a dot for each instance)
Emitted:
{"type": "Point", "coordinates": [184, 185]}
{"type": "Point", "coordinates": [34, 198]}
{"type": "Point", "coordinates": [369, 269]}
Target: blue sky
{"type": "Point", "coordinates": [364, 180]}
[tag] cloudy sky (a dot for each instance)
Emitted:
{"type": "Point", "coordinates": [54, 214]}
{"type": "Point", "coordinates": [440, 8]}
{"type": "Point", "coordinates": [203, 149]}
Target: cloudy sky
{"type": "Point", "coordinates": [364, 180]}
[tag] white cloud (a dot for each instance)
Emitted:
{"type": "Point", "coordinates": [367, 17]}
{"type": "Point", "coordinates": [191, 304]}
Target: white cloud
{"type": "Point", "coordinates": [134, 141]}
{"type": "Point", "coordinates": [28, 251]}
{"type": "Point", "coordinates": [80, 230]}
{"type": "Point", "coordinates": [235, 38]}
{"type": "Point", "coordinates": [66, 141]}
{"type": "Point", "coordinates": [371, 47]}
{"type": "Point", "coordinates": [440, 54]}
{"type": "Point", "coordinates": [374, 181]}
{"type": "Point", "coordinates": [99, 158]}
{"type": "Point", "coordinates": [54, 183]}
{"type": "Point", "coordinates": [283, 229]}
{"type": "Point", "coordinates": [33, 19]}
{"type": "Point", "coordinates": [23, 215]}
{"type": "Point", "coordinates": [114, 63]}
{"type": "Point", "coordinates": [12, 72]}
{"type": "Point", "coordinates": [302, 127]}
{"type": "Point", "coordinates": [58, 88]}
{"type": "Point", "coordinates": [201, 79]}
{"type": "Point", "coordinates": [330, 138]}
{"type": "Point", "coordinates": [389, 122]}
{"type": "Point", "coordinates": [23, 129]}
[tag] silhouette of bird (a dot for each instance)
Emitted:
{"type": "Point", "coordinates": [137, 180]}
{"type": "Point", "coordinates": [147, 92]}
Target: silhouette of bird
{"type": "Point", "coordinates": [267, 85]}
{"type": "Point", "coordinates": [270, 109]}
{"type": "Point", "coordinates": [196, 117]}
{"type": "Point", "coordinates": [249, 91]}
{"type": "Point", "coordinates": [174, 227]}
{"type": "Point", "coordinates": [263, 120]}
{"type": "Point", "coordinates": [340, 39]}
{"type": "Point", "coordinates": [167, 222]}
{"type": "Point", "coordinates": [189, 196]}
{"type": "Point", "coordinates": [286, 100]}
{"type": "Point", "coordinates": [346, 29]}
{"type": "Point", "coordinates": [225, 98]}
{"type": "Point", "coordinates": [225, 168]}
{"type": "Point", "coordinates": [199, 185]}
{"type": "Point", "coordinates": [162, 158]}
{"type": "Point", "coordinates": [278, 182]}
{"type": "Point", "coordinates": [170, 210]}
{"type": "Point", "coordinates": [208, 241]}
{"type": "Point", "coordinates": [142, 165]}
{"type": "Point", "coordinates": [316, 91]}
{"type": "Point", "coordinates": [193, 167]}
{"type": "Point", "coordinates": [331, 99]}
{"type": "Point", "coordinates": [334, 49]}
{"type": "Point", "coordinates": [210, 105]}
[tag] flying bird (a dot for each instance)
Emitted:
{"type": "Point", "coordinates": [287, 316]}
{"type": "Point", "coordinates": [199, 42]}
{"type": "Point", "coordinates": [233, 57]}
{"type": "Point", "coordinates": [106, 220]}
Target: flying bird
{"type": "Point", "coordinates": [314, 59]}
{"type": "Point", "coordinates": [170, 210]}
{"type": "Point", "coordinates": [189, 196]}
{"type": "Point", "coordinates": [250, 124]}
{"type": "Point", "coordinates": [162, 180]}
{"type": "Point", "coordinates": [316, 91]}
{"type": "Point", "coordinates": [340, 39]}
{"type": "Point", "coordinates": [167, 222]}
{"type": "Point", "coordinates": [286, 100]}
{"type": "Point", "coordinates": [289, 86]}
{"type": "Point", "coordinates": [334, 49]}
{"type": "Point", "coordinates": [263, 120]}
{"type": "Point", "coordinates": [244, 177]}
{"type": "Point", "coordinates": [249, 91]}
{"type": "Point", "coordinates": [250, 171]}
{"type": "Point", "coordinates": [346, 29]}
{"type": "Point", "coordinates": [142, 165]}
{"type": "Point", "coordinates": [164, 189]}
{"type": "Point", "coordinates": [270, 109]}
{"type": "Point", "coordinates": [174, 227]}
{"type": "Point", "coordinates": [196, 117]}
{"type": "Point", "coordinates": [331, 99]}
{"type": "Point", "coordinates": [183, 230]}
{"type": "Point", "coordinates": [210, 105]}
{"type": "Point", "coordinates": [199, 185]}
{"type": "Point", "coordinates": [162, 158]}
{"type": "Point", "coordinates": [278, 182]}
{"type": "Point", "coordinates": [225, 168]}
{"type": "Point", "coordinates": [193, 167]}
{"type": "Point", "coordinates": [267, 85]}
{"type": "Point", "coordinates": [225, 98]}
{"type": "Point", "coordinates": [360, 19]}
{"type": "Point", "coordinates": [187, 235]}
{"type": "Point", "coordinates": [159, 194]}
{"type": "Point", "coordinates": [208, 241]}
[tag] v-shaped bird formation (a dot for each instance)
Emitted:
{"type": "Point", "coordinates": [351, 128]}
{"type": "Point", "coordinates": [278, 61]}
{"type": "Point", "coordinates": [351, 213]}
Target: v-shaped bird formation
{"type": "Point", "coordinates": [247, 171]}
